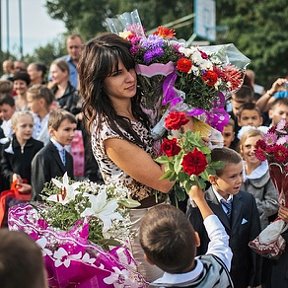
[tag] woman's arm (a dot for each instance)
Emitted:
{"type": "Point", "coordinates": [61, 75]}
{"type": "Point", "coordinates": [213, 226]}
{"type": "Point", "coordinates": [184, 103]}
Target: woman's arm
{"type": "Point", "coordinates": [137, 163]}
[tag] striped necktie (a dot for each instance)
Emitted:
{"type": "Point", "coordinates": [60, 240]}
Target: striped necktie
{"type": "Point", "coordinates": [228, 206]}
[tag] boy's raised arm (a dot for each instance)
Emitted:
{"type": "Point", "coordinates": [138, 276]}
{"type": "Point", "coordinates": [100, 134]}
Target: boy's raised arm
{"type": "Point", "coordinates": [219, 239]}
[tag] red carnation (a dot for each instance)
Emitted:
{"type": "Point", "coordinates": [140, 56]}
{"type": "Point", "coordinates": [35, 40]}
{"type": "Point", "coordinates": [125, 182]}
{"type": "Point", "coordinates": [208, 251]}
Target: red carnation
{"type": "Point", "coordinates": [170, 147]}
{"type": "Point", "coordinates": [210, 77]}
{"type": "Point", "coordinates": [175, 120]}
{"type": "Point", "coordinates": [194, 163]}
{"type": "Point", "coordinates": [184, 65]}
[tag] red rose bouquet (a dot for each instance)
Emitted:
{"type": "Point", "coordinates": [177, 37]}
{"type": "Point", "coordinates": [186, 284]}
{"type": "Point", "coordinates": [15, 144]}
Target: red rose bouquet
{"type": "Point", "coordinates": [186, 158]}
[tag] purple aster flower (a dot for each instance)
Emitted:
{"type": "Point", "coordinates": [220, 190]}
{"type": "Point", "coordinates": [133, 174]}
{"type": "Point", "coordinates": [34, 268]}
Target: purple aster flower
{"type": "Point", "coordinates": [134, 50]}
{"type": "Point", "coordinates": [150, 55]}
{"type": "Point", "coordinates": [152, 42]}
{"type": "Point", "coordinates": [270, 138]}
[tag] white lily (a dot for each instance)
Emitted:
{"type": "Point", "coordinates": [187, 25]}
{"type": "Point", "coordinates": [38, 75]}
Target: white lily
{"type": "Point", "coordinates": [102, 209]}
{"type": "Point", "coordinates": [68, 192]}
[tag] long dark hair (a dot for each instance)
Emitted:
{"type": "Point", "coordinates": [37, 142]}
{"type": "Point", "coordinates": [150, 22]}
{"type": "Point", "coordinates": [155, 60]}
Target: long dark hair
{"type": "Point", "coordinates": [98, 60]}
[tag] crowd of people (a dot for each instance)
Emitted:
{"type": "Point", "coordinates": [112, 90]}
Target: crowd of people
{"type": "Point", "coordinates": [97, 82]}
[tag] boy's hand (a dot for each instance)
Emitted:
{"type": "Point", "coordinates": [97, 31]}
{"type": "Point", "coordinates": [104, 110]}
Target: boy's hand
{"type": "Point", "coordinates": [196, 193]}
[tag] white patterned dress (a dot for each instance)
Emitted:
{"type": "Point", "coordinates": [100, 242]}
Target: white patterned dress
{"type": "Point", "coordinates": [112, 173]}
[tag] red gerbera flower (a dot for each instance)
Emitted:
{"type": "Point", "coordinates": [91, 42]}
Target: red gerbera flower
{"type": "Point", "coordinates": [165, 32]}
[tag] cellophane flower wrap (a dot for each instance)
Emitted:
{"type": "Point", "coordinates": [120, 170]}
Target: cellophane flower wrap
{"type": "Point", "coordinates": [186, 159]}
{"type": "Point", "coordinates": [76, 226]}
{"type": "Point", "coordinates": [274, 149]}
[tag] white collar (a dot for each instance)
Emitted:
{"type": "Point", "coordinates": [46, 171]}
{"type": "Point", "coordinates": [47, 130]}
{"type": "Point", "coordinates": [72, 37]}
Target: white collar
{"type": "Point", "coordinates": [258, 172]}
{"type": "Point", "coordinates": [168, 278]}
{"type": "Point", "coordinates": [220, 197]}
{"type": "Point", "coordinates": [57, 145]}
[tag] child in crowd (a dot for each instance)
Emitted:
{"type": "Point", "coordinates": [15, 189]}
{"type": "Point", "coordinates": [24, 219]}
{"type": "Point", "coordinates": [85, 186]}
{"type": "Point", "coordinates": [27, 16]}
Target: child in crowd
{"type": "Point", "coordinates": [249, 115]}
{"type": "Point", "coordinates": [7, 109]}
{"type": "Point", "coordinates": [53, 160]}
{"type": "Point", "coordinates": [256, 176]}
{"type": "Point", "coordinates": [238, 213]}
{"type": "Point", "coordinates": [243, 95]}
{"type": "Point", "coordinates": [21, 261]}
{"type": "Point", "coordinates": [17, 154]}
{"type": "Point", "coordinates": [169, 241]}
{"type": "Point", "coordinates": [228, 133]}
{"type": "Point", "coordinates": [278, 111]}
{"type": "Point", "coordinates": [39, 99]}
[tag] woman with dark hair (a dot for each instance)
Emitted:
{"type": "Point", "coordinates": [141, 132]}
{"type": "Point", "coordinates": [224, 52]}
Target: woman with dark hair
{"type": "Point", "coordinates": [119, 129]}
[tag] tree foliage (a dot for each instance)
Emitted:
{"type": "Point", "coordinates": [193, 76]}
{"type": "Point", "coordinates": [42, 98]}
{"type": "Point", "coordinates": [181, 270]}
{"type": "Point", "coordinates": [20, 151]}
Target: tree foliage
{"type": "Point", "coordinates": [259, 28]}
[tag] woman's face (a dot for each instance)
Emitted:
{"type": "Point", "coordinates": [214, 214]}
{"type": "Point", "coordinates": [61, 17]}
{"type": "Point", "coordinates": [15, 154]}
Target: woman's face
{"type": "Point", "coordinates": [20, 87]}
{"type": "Point", "coordinates": [121, 83]}
{"type": "Point", "coordinates": [58, 76]}
{"type": "Point", "coordinates": [23, 128]}
{"type": "Point", "coordinates": [33, 72]}
{"type": "Point", "coordinates": [247, 150]}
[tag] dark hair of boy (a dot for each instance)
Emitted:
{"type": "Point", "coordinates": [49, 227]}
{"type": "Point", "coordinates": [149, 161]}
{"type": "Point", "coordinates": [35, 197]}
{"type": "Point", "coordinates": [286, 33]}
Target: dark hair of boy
{"type": "Point", "coordinates": [56, 117]}
{"type": "Point", "coordinates": [279, 101]}
{"type": "Point", "coordinates": [8, 100]}
{"type": "Point", "coordinates": [167, 239]}
{"type": "Point", "coordinates": [248, 106]}
{"type": "Point", "coordinates": [225, 155]}
{"type": "Point", "coordinates": [244, 94]}
{"type": "Point", "coordinates": [21, 261]}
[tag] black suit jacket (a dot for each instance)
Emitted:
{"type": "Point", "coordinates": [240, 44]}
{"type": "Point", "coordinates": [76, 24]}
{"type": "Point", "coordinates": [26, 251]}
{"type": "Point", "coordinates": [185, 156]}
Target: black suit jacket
{"type": "Point", "coordinates": [244, 227]}
{"type": "Point", "coordinates": [46, 165]}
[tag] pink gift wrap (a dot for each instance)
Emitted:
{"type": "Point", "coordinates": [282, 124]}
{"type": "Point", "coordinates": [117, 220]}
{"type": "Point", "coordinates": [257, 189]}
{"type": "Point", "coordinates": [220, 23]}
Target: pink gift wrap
{"type": "Point", "coordinates": [71, 259]}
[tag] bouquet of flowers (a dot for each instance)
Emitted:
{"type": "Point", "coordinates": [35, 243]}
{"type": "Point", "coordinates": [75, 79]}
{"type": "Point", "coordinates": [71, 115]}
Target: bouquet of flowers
{"type": "Point", "coordinates": [274, 148]}
{"type": "Point", "coordinates": [155, 56]}
{"type": "Point", "coordinates": [75, 226]}
{"type": "Point", "coordinates": [187, 158]}
{"type": "Point", "coordinates": [174, 77]}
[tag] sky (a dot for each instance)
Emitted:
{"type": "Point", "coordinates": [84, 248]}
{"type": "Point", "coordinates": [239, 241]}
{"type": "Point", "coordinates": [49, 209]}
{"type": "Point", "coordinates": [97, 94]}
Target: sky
{"type": "Point", "coordinates": [38, 28]}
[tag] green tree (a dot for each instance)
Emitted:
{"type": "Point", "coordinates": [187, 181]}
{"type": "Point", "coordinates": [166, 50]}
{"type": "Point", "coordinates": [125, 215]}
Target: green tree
{"type": "Point", "coordinates": [259, 28]}
{"type": "Point", "coordinates": [87, 17]}
{"type": "Point", "coordinates": [46, 54]}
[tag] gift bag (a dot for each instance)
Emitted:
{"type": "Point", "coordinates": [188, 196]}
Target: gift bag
{"type": "Point", "coordinates": [269, 243]}
{"type": "Point", "coordinates": [78, 153]}
{"type": "Point", "coordinates": [12, 195]}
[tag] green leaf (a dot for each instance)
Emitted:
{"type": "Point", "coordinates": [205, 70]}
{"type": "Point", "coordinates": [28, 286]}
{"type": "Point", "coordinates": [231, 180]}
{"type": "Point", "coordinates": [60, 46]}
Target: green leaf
{"type": "Point", "coordinates": [162, 159]}
{"type": "Point", "coordinates": [129, 203]}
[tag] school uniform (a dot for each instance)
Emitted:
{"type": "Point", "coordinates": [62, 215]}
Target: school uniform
{"type": "Point", "coordinates": [243, 226]}
{"type": "Point", "coordinates": [47, 164]}
{"type": "Point", "coordinates": [210, 270]}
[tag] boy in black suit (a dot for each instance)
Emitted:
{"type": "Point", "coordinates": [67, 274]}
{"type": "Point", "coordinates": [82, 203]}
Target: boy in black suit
{"type": "Point", "coordinates": [238, 213]}
{"type": "Point", "coordinates": [53, 160]}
